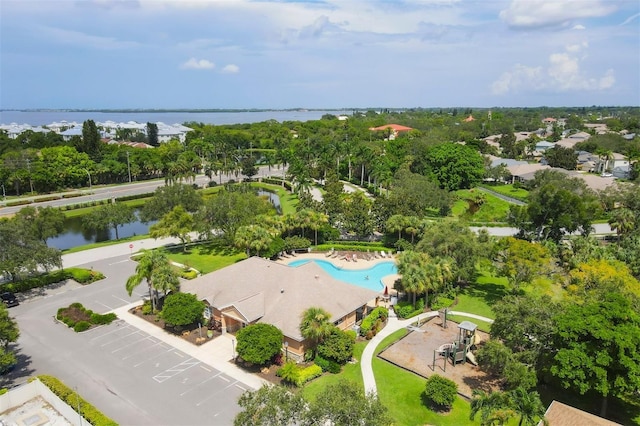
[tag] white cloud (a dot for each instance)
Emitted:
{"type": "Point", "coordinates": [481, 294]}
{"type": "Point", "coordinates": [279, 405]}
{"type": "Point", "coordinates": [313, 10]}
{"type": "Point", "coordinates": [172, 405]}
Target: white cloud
{"type": "Point", "coordinates": [81, 39]}
{"type": "Point", "coordinates": [520, 76]}
{"type": "Point", "coordinates": [630, 18]}
{"type": "Point", "coordinates": [563, 73]}
{"type": "Point", "coordinates": [230, 69]}
{"type": "Point", "coordinates": [195, 64]}
{"type": "Point", "coordinates": [579, 27]}
{"type": "Point", "coordinates": [575, 48]}
{"type": "Point", "coordinates": [530, 14]}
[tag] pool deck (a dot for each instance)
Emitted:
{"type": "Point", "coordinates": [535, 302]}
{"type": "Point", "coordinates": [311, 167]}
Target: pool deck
{"type": "Point", "coordinates": [341, 262]}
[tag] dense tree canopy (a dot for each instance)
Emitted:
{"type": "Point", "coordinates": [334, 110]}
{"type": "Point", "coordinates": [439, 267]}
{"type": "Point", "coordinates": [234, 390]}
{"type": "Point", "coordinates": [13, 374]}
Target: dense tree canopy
{"type": "Point", "coordinates": [557, 205]}
{"type": "Point", "coordinates": [598, 347]}
{"type": "Point", "coordinates": [452, 165]}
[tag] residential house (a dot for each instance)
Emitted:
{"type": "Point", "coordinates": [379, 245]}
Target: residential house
{"type": "Point", "coordinates": [587, 161]}
{"type": "Point", "coordinates": [525, 172]}
{"type": "Point", "coordinates": [606, 165]}
{"type": "Point", "coordinates": [542, 146]}
{"type": "Point", "coordinates": [393, 129]}
{"type": "Point", "coordinates": [597, 128]}
{"type": "Point", "coordinates": [559, 414]}
{"type": "Point", "coordinates": [258, 290]}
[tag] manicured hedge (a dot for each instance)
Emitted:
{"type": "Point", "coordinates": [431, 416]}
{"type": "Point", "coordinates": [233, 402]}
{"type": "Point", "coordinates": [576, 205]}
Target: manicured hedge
{"type": "Point", "coordinates": [327, 364]}
{"type": "Point", "coordinates": [72, 195]}
{"type": "Point", "coordinates": [188, 275]}
{"type": "Point", "coordinates": [405, 309]}
{"type": "Point", "coordinates": [294, 374]}
{"type": "Point", "coordinates": [90, 413]}
{"type": "Point", "coordinates": [374, 322]}
{"type": "Point", "coordinates": [308, 374]}
{"type": "Point", "coordinates": [82, 276]}
{"type": "Point", "coordinates": [18, 203]}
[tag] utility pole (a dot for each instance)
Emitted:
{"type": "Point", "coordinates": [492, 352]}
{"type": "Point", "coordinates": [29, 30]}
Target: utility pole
{"type": "Point", "coordinates": [128, 166]}
{"type": "Point", "coordinates": [30, 180]}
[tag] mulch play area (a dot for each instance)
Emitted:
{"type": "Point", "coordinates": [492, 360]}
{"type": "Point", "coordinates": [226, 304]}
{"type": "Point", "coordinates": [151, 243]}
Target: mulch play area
{"type": "Point", "coordinates": [415, 352]}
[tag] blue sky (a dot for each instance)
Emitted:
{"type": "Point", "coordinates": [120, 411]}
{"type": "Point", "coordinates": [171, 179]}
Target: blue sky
{"type": "Point", "coordinates": [318, 54]}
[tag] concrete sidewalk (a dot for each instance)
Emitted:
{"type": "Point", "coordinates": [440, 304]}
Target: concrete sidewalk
{"type": "Point", "coordinates": [217, 353]}
{"type": "Point", "coordinates": [115, 250]}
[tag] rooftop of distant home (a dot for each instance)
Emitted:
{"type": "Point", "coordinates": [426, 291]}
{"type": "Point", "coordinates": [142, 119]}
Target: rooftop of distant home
{"type": "Point", "coordinates": [395, 127]}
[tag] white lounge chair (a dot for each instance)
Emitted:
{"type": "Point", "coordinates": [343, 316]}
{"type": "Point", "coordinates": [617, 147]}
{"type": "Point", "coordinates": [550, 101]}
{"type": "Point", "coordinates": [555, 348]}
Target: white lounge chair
{"type": "Point", "coordinates": [383, 254]}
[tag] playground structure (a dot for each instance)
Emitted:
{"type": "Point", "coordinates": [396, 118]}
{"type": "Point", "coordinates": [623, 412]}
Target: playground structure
{"type": "Point", "coordinates": [460, 350]}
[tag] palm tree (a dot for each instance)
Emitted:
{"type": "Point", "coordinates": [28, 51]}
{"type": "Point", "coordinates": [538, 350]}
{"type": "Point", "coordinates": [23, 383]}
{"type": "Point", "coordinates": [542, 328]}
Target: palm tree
{"type": "Point", "coordinates": [412, 266]}
{"type": "Point", "coordinates": [317, 220]}
{"type": "Point", "coordinates": [150, 267]}
{"type": "Point", "coordinates": [397, 222]}
{"type": "Point", "coordinates": [622, 221]}
{"type": "Point", "coordinates": [253, 237]}
{"type": "Point", "coordinates": [493, 407]}
{"type": "Point", "coordinates": [315, 325]}
{"type": "Point", "coordinates": [528, 406]}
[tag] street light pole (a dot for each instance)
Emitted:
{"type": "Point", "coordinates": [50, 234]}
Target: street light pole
{"type": "Point", "coordinates": [233, 348]}
{"type": "Point", "coordinates": [4, 195]}
{"type": "Point", "coordinates": [286, 351]}
{"type": "Point", "coordinates": [128, 167]}
{"type": "Point", "coordinates": [89, 174]}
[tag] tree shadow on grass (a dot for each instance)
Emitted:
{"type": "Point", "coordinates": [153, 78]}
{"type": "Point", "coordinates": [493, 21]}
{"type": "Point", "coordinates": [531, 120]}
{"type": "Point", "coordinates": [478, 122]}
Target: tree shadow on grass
{"type": "Point", "coordinates": [436, 408]}
{"type": "Point", "coordinates": [489, 292]}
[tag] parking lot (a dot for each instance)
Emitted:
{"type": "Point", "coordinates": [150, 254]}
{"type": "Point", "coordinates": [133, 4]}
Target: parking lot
{"type": "Point", "coordinates": [210, 394]}
{"type": "Point", "coordinates": [129, 374]}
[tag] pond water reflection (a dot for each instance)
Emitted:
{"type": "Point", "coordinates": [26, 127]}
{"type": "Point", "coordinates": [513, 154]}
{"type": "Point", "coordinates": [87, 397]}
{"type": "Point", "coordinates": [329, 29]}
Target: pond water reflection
{"type": "Point", "coordinates": [74, 234]}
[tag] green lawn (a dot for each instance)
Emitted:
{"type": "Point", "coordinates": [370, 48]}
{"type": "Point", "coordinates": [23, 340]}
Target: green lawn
{"type": "Point", "coordinates": [493, 209]}
{"type": "Point", "coordinates": [207, 257]}
{"type": "Point", "coordinates": [401, 392]}
{"type": "Point", "coordinates": [351, 372]}
{"type": "Point", "coordinates": [86, 210]}
{"type": "Point", "coordinates": [510, 191]}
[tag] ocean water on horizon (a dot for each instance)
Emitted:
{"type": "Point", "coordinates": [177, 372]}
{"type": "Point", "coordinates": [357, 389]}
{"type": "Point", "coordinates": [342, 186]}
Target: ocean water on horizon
{"type": "Point", "coordinates": [43, 118]}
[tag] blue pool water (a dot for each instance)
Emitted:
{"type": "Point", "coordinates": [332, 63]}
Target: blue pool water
{"type": "Point", "coordinates": [370, 278]}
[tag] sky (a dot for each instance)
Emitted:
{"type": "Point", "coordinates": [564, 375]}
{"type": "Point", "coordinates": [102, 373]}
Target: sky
{"type": "Point", "coordinates": [206, 54]}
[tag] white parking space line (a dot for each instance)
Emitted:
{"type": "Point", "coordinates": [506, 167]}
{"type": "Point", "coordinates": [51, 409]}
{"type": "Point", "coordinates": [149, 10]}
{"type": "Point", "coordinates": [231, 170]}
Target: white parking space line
{"type": "Point", "coordinates": [194, 387]}
{"type": "Point", "coordinates": [122, 261]}
{"type": "Point", "coordinates": [119, 324]}
{"type": "Point", "coordinates": [131, 344]}
{"type": "Point", "coordinates": [146, 348]}
{"type": "Point", "coordinates": [205, 368]}
{"type": "Point", "coordinates": [106, 306]}
{"type": "Point", "coordinates": [175, 370]}
{"type": "Point", "coordinates": [154, 357]}
{"type": "Point", "coordinates": [214, 395]}
{"type": "Point", "coordinates": [240, 387]}
{"type": "Point", "coordinates": [120, 299]}
{"type": "Point", "coordinates": [120, 338]}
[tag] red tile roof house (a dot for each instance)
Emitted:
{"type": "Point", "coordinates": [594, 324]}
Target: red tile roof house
{"type": "Point", "coordinates": [395, 129]}
{"type": "Point", "coordinates": [258, 290]}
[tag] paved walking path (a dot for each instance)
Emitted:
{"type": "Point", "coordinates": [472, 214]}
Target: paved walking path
{"type": "Point", "coordinates": [502, 196]}
{"type": "Point", "coordinates": [395, 324]}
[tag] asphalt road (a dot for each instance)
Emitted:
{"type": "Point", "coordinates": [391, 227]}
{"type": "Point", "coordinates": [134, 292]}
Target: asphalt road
{"type": "Point", "coordinates": [129, 375]}
{"type": "Point", "coordinates": [105, 193]}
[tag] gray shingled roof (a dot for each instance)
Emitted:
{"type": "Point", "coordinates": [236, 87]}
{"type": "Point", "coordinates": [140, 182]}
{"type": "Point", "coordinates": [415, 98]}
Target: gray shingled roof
{"type": "Point", "coordinates": [284, 291]}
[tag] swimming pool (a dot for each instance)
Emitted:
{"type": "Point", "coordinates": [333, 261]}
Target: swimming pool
{"type": "Point", "coordinates": [370, 278]}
